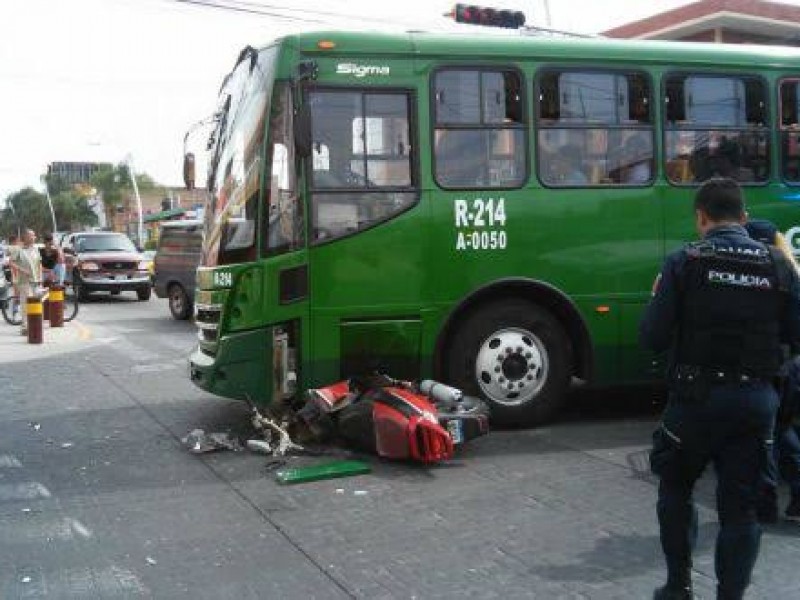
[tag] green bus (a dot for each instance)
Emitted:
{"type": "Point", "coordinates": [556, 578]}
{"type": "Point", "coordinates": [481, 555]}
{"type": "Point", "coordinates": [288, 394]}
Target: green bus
{"type": "Point", "coordinates": [489, 211]}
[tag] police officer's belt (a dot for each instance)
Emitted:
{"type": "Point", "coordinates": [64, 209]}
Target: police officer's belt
{"type": "Point", "coordinates": [707, 375]}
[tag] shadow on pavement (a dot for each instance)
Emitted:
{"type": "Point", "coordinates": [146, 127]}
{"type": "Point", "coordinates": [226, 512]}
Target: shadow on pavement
{"type": "Point", "coordinates": [624, 555]}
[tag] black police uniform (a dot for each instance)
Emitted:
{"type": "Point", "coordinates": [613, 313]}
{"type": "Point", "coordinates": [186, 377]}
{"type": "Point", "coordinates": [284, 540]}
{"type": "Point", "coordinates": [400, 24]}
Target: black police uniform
{"type": "Point", "coordinates": [722, 307]}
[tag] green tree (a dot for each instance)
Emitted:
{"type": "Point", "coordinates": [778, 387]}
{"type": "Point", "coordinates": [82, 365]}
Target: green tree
{"type": "Point", "coordinates": [114, 185]}
{"type": "Point", "coordinates": [25, 209]}
{"type": "Point", "coordinates": [73, 211]}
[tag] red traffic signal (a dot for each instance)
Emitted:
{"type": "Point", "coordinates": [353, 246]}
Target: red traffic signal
{"type": "Point", "coordinates": [489, 17]}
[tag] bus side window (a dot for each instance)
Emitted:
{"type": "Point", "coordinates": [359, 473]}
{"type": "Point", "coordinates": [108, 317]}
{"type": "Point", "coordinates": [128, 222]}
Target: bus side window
{"type": "Point", "coordinates": [479, 138]}
{"type": "Point", "coordinates": [716, 126]}
{"type": "Point", "coordinates": [595, 128]}
{"type": "Point", "coordinates": [790, 130]}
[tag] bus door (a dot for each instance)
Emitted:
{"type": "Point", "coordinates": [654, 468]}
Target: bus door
{"type": "Point", "coordinates": [367, 239]}
{"type": "Point", "coordinates": [283, 245]}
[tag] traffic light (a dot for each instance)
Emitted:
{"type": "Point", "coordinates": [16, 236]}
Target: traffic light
{"type": "Point", "coordinates": [489, 17]}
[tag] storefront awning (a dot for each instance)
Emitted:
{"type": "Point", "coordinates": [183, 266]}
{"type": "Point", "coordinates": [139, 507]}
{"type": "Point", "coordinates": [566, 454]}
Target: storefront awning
{"type": "Point", "coordinates": [164, 215]}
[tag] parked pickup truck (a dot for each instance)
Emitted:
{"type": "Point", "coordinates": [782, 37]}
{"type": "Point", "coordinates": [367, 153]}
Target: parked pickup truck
{"type": "Point", "coordinates": [105, 261]}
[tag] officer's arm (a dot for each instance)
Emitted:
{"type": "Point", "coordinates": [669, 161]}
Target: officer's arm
{"type": "Point", "coordinates": [661, 315]}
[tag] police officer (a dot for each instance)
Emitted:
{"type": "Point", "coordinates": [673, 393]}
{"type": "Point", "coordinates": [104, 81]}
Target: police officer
{"type": "Point", "coordinates": [786, 457]}
{"type": "Point", "coordinates": [721, 306]}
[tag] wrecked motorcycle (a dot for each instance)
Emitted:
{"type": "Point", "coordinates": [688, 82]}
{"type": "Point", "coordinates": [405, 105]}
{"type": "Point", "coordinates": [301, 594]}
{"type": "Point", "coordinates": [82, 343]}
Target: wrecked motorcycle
{"type": "Point", "coordinates": [395, 419]}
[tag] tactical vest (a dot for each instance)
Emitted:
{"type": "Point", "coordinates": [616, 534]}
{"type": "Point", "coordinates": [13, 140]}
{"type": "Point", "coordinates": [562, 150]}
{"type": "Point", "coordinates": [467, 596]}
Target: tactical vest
{"type": "Point", "coordinates": [730, 313]}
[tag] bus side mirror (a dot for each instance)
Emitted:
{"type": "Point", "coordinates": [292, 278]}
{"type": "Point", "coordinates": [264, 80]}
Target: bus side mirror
{"type": "Point", "coordinates": [302, 131]}
{"type": "Point", "coordinates": [188, 170]}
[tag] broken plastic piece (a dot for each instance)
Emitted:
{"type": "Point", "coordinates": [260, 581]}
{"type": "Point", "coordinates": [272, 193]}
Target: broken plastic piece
{"type": "Point", "coordinates": [260, 446]}
{"type": "Point", "coordinates": [200, 442]}
{"type": "Point", "coordinates": [267, 426]}
{"type": "Point", "coordinates": [329, 470]}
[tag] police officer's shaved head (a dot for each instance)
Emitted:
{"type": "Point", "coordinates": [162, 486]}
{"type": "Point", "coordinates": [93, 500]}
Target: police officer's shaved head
{"type": "Point", "coordinates": [721, 200]}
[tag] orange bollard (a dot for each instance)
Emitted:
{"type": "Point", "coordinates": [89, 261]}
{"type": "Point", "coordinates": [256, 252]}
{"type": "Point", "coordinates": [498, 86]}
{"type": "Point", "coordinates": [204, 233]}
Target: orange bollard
{"type": "Point", "coordinates": [33, 309]}
{"type": "Point", "coordinates": [56, 313]}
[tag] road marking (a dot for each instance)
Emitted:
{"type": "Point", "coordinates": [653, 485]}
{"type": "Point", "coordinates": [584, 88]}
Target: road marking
{"type": "Point", "coordinates": [23, 491]}
{"type": "Point", "coordinates": [84, 333]}
{"type": "Point", "coordinates": [35, 530]}
{"type": "Point", "coordinates": [108, 582]}
{"type": "Point", "coordinates": [9, 462]}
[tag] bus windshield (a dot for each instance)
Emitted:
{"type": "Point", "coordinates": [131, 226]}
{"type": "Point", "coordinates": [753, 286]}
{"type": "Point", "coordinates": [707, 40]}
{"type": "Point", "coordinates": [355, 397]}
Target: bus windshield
{"type": "Point", "coordinates": [235, 169]}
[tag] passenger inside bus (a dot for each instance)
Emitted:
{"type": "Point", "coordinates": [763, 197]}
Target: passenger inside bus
{"type": "Point", "coordinates": [563, 166]}
{"type": "Point", "coordinates": [636, 160]}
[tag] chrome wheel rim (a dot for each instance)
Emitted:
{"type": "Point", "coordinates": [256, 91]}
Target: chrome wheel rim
{"type": "Point", "coordinates": [512, 366]}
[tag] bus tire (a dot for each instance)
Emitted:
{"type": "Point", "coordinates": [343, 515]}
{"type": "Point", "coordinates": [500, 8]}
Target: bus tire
{"type": "Point", "coordinates": [80, 290]}
{"type": "Point", "coordinates": [516, 356]}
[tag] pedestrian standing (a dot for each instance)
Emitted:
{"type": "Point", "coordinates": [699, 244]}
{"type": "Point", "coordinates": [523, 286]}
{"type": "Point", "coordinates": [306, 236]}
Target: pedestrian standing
{"type": "Point", "coordinates": [722, 306]}
{"type": "Point", "coordinates": [27, 263]}
{"type": "Point", "coordinates": [53, 260]}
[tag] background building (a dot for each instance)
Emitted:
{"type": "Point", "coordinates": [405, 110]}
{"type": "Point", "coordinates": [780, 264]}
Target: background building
{"type": "Point", "coordinates": [720, 21]}
{"type": "Point", "coordinates": [75, 172]}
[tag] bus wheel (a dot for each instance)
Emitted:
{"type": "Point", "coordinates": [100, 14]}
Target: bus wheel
{"type": "Point", "coordinates": [516, 356]}
{"type": "Point", "coordinates": [180, 305]}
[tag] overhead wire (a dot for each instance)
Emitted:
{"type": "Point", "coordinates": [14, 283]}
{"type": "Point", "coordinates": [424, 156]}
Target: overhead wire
{"type": "Point", "coordinates": [245, 7]}
{"type": "Point", "coordinates": [269, 10]}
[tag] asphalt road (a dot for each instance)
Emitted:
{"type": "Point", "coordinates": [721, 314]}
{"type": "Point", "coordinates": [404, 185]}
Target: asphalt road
{"type": "Point", "coordinates": [99, 499]}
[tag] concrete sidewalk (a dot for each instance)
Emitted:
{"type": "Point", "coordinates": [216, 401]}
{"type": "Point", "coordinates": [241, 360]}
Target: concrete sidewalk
{"type": "Point", "coordinates": [15, 347]}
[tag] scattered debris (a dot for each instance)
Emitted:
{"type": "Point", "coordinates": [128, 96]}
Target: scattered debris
{"type": "Point", "coordinates": [329, 470]}
{"type": "Point", "coordinates": [151, 561]}
{"type": "Point", "coordinates": [420, 422]}
{"type": "Point", "coordinates": [260, 446]}
{"type": "Point", "coordinates": [200, 442]}
{"type": "Point", "coordinates": [35, 426]}
{"type": "Point", "coordinates": [269, 428]}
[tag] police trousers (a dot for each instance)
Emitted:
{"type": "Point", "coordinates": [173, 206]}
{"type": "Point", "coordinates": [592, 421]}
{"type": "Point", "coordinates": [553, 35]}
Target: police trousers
{"type": "Point", "coordinates": [731, 426]}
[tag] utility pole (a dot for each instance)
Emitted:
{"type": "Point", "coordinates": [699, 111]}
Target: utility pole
{"type": "Point", "coordinates": [50, 204]}
{"type": "Point", "coordinates": [547, 18]}
{"type": "Point", "coordinates": [140, 235]}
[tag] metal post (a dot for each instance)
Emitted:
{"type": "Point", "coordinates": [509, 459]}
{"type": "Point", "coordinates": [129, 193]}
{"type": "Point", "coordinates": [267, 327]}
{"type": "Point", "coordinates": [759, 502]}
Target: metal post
{"type": "Point", "coordinates": [140, 235]}
{"type": "Point", "coordinates": [50, 204]}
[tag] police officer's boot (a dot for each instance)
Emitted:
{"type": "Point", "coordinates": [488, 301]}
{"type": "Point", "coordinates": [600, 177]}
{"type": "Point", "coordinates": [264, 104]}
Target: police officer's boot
{"type": "Point", "coordinates": [668, 592]}
{"type": "Point", "coordinates": [678, 587]}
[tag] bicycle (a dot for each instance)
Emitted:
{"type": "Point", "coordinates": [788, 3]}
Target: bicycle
{"type": "Point", "coordinates": [9, 305]}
